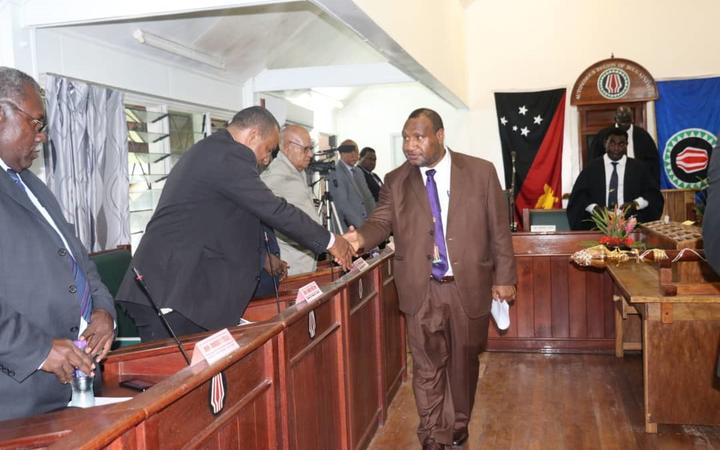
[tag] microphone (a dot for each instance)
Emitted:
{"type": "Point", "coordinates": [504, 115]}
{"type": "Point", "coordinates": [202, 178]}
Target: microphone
{"type": "Point", "coordinates": [272, 275]}
{"type": "Point", "coordinates": [328, 151]}
{"type": "Point", "coordinates": [141, 282]}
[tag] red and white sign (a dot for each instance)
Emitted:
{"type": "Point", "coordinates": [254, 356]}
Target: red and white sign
{"type": "Point", "coordinates": [309, 293]}
{"type": "Point", "coordinates": [360, 265]}
{"type": "Point", "coordinates": [214, 347]}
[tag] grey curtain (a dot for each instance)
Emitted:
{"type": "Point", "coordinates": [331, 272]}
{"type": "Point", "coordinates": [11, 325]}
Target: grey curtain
{"type": "Point", "coordinates": [86, 160]}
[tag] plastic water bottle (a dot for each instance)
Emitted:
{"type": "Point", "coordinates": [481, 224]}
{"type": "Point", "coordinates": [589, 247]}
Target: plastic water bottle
{"type": "Point", "coordinates": [82, 385]}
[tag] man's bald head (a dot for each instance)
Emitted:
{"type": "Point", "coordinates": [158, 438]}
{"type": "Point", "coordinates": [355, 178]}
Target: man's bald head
{"type": "Point", "coordinates": [623, 117]}
{"type": "Point", "coordinates": [349, 152]}
{"type": "Point", "coordinates": [296, 145]}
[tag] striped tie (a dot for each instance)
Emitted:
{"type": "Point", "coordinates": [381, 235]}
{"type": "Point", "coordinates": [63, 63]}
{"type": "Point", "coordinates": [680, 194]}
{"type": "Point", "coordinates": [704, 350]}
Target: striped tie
{"type": "Point", "coordinates": [81, 287]}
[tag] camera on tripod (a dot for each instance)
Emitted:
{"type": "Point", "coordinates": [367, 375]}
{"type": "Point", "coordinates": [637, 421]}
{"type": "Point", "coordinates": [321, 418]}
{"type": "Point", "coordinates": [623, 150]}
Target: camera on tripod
{"type": "Point", "coordinates": [323, 161]}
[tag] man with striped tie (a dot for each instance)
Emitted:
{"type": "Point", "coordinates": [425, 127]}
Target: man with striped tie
{"type": "Point", "coordinates": [50, 292]}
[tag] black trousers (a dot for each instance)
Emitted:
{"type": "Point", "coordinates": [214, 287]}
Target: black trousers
{"type": "Point", "coordinates": [151, 327]}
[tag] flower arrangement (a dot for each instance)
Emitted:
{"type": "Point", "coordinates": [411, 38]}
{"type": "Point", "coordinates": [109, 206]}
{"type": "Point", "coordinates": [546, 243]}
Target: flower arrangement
{"type": "Point", "coordinates": [614, 226]}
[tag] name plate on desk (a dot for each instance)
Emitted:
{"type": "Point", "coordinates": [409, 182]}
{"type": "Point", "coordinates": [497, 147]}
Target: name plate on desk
{"type": "Point", "coordinates": [309, 292]}
{"type": "Point", "coordinates": [360, 264]}
{"type": "Point", "coordinates": [214, 347]}
{"type": "Point", "coordinates": [542, 228]}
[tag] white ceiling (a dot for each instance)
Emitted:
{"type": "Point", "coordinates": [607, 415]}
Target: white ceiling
{"type": "Point", "coordinates": [250, 40]}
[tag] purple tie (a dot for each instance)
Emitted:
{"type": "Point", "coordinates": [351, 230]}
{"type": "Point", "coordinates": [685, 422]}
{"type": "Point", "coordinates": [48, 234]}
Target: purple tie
{"type": "Point", "coordinates": [439, 262]}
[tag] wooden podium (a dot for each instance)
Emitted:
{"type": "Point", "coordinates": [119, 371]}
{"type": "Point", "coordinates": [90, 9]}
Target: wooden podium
{"type": "Point", "coordinates": [316, 376]}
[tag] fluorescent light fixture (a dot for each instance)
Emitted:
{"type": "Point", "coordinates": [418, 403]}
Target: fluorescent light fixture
{"type": "Point", "coordinates": [178, 49]}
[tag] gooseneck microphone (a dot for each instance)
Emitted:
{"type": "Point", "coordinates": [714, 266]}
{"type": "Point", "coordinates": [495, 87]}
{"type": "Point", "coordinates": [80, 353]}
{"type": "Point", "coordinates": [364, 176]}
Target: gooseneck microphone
{"type": "Point", "coordinates": [141, 282]}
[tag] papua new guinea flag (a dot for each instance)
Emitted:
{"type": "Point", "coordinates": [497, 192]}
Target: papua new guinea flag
{"type": "Point", "coordinates": [531, 129]}
{"type": "Point", "coordinates": [688, 119]}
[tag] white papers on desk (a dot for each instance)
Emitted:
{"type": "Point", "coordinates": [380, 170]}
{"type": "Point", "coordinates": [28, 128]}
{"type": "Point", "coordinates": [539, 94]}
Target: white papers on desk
{"type": "Point", "coordinates": [500, 311]}
{"type": "Point", "coordinates": [101, 401]}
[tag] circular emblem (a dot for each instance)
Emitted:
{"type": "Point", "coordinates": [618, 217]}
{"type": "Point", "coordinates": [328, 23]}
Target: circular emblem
{"type": "Point", "coordinates": [686, 156]}
{"type": "Point", "coordinates": [613, 83]}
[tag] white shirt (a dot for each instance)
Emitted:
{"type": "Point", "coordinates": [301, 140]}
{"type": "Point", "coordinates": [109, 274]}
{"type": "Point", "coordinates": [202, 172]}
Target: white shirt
{"type": "Point", "coordinates": [442, 181]}
{"type": "Point", "coordinates": [51, 222]}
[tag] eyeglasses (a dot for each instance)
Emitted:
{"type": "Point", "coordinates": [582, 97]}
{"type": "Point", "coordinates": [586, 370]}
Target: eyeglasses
{"type": "Point", "coordinates": [39, 125]}
{"type": "Point", "coordinates": [306, 148]}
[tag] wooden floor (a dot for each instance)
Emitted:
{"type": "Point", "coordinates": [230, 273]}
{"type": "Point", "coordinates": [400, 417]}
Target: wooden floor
{"type": "Point", "coordinates": [557, 402]}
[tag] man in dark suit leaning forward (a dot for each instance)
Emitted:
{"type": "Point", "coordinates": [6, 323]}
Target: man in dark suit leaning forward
{"type": "Point", "coordinates": [614, 179]}
{"type": "Point", "coordinates": [453, 254]}
{"type": "Point", "coordinates": [200, 251]}
{"type": "Point", "coordinates": [50, 292]}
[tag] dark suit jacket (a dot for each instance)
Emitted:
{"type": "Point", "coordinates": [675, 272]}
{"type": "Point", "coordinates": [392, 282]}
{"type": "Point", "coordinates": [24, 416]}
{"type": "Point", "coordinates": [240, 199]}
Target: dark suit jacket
{"type": "Point", "coordinates": [478, 236]}
{"type": "Point", "coordinates": [373, 183]}
{"type": "Point", "coordinates": [200, 250]}
{"type": "Point", "coordinates": [35, 303]}
{"type": "Point", "coordinates": [590, 188]}
{"type": "Point", "coordinates": [644, 147]}
{"type": "Point", "coordinates": [711, 220]}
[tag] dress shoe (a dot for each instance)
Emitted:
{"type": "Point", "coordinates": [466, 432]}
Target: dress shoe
{"type": "Point", "coordinates": [430, 444]}
{"type": "Point", "coordinates": [460, 438]}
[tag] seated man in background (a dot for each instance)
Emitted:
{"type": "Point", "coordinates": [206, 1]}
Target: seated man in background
{"type": "Point", "coordinates": [353, 200]}
{"type": "Point", "coordinates": [286, 177]}
{"type": "Point", "coordinates": [613, 180]}
{"type": "Point", "coordinates": [367, 162]}
{"type": "Point", "coordinates": [641, 145]}
{"type": "Point", "coordinates": [50, 291]}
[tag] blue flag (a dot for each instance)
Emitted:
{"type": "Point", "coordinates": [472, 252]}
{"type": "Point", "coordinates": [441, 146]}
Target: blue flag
{"type": "Point", "coordinates": [688, 119]}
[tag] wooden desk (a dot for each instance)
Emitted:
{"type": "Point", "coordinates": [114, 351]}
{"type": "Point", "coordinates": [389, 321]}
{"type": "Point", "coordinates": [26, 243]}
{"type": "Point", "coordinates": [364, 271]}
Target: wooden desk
{"type": "Point", "coordinates": [680, 337]}
{"type": "Point", "coordinates": [318, 375]}
{"type": "Point", "coordinates": [559, 307]}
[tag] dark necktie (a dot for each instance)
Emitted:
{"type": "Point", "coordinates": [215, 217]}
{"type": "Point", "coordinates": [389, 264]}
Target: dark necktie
{"type": "Point", "coordinates": [613, 190]}
{"type": "Point", "coordinates": [440, 261]}
{"type": "Point", "coordinates": [81, 285]}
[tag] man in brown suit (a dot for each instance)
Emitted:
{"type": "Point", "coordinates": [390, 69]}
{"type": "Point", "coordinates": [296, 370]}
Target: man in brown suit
{"type": "Point", "coordinates": [453, 254]}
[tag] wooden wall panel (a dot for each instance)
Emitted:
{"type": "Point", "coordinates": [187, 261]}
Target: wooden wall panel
{"type": "Point", "coordinates": [364, 361]}
{"type": "Point", "coordinates": [559, 271]}
{"type": "Point", "coordinates": [524, 301]}
{"type": "Point", "coordinates": [393, 350]}
{"type": "Point", "coordinates": [576, 300]}
{"type": "Point", "coordinates": [595, 308]}
{"type": "Point", "coordinates": [559, 307]}
{"type": "Point", "coordinates": [315, 384]}
{"type": "Point", "coordinates": [542, 297]}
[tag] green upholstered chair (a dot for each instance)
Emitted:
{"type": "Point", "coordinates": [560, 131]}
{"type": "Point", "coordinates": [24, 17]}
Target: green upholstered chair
{"type": "Point", "coordinates": [111, 266]}
{"type": "Point", "coordinates": [557, 217]}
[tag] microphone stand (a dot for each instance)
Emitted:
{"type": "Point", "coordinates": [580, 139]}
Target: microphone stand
{"type": "Point", "coordinates": [141, 281]}
{"type": "Point", "coordinates": [272, 274]}
{"type": "Point", "coordinates": [513, 176]}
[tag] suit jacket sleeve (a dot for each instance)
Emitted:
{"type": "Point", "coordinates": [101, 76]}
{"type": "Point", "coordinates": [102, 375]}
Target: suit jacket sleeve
{"type": "Point", "coordinates": [580, 198]}
{"type": "Point", "coordinates": [237, 178]}
{"type": "Point", "coordinates": [646, 151]}
{"type": "Point", "coordinates": [502, 246]}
